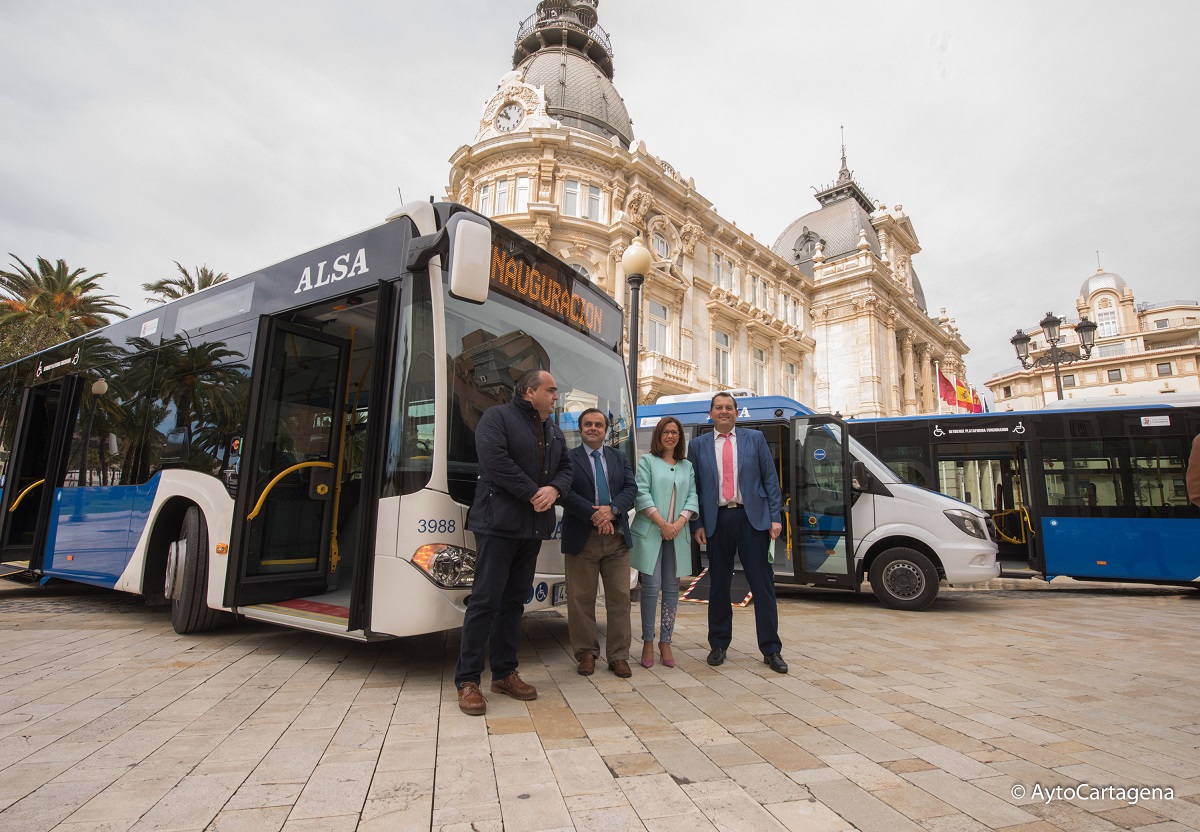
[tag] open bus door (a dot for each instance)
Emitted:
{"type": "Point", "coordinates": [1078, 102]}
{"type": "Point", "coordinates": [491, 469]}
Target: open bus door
{"type": "Point", "coordinates": [37, 469]}
{"type": "Point", "coordinates": [994, 477]}
{"type": "Point", "coordinates": [821, 526]}
{"type": "Point", "coordinates": [283, 535]}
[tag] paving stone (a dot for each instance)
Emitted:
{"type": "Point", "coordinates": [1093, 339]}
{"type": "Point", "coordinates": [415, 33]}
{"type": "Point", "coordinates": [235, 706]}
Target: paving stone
{"type": "Point", "coordinates": [808, 816]}
{"type": "Point", "coordinates": [728, 806]}
{"type": "Point", "coordinates": [251, 820]}
{"type": "Point", "coordinates": [859, 807]}
{"type": "Point", "coordinates": [581, 771]}
{"type": "Point", "coordinates": [969, 799]}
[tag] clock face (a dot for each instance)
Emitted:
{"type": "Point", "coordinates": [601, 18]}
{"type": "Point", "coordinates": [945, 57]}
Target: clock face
{"type": "Point", "coordinates": [509, 117]}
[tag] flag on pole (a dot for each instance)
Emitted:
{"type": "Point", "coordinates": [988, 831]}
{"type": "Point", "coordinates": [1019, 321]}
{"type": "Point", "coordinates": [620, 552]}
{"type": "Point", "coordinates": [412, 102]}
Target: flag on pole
{"type": "Point", "coordinates": [976, 404]}
{"type": "Point", "coordinates": [946, 389]}
{"type": "Point", "coordinates": [962, 394]}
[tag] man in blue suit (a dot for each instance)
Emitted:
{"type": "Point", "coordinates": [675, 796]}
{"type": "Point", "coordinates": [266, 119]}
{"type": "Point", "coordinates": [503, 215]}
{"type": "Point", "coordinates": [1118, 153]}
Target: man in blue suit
{"type": "Point", "coordinates": [740, 503]}
{"type": "Point", "coordinates": [596, 541]}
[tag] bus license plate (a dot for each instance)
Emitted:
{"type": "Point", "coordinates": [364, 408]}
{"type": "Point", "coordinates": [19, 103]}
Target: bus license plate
{"type": "Point", "coordinates": [560, 595]}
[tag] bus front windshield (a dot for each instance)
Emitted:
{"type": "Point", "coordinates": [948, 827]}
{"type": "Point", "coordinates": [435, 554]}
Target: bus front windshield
{"type": "Point", "coordinates": [489, 347]}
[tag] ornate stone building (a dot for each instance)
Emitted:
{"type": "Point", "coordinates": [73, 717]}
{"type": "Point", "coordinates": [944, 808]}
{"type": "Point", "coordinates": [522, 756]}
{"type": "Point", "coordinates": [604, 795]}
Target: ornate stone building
{"type": "Point", "coordinates": [877, 346]}
{"type": "Point", "coordinates": [1141, 349]}
{"type": "Point", "coordinates": [555, 159]}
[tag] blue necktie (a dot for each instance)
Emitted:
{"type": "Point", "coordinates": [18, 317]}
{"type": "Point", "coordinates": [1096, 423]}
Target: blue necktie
{"type": "Point", "coordinates": [602, 496]}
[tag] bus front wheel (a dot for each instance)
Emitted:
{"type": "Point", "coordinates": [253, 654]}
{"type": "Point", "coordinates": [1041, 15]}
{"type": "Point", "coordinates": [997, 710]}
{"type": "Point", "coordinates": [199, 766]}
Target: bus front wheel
{"type": "Point", "coordinates": [904, 579]}
{"type": "Point", "coordinates": [187, 577]}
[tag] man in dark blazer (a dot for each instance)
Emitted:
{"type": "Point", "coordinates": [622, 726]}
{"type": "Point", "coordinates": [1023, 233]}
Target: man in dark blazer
{"type": "Point", "coordinates": [595, 542]}
{"type": "Point", "coordinates": [523, 470]}
{"type": "Point", "coordinates": [740, 503]}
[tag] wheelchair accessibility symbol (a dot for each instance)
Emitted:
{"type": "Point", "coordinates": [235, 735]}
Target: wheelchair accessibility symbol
{"type": "Point", "coordinates": [540, 592]}
{"type": "Point", "coordinates": [937, 431]}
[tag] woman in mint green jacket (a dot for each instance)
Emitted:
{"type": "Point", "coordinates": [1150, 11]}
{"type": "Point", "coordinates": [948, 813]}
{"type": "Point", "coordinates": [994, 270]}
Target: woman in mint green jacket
{"type": "Point", "coordinates": [662, 548]}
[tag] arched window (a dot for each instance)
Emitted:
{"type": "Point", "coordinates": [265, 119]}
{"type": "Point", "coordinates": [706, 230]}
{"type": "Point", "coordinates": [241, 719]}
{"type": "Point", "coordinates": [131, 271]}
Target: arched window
{"type": "Point", "coordinates": [582, 270]}
{"type": "Point", "coordinates": [661, 247]}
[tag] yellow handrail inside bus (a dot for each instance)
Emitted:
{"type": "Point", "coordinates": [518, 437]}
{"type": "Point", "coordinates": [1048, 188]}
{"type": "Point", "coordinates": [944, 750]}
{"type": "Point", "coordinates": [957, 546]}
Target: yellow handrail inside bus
{"type": "Point", "coordinates": [1024, 522]}
{"type": "Point", "coordinates": [262, 498]}
{"type": "Point", "coordinates": [21, 496]}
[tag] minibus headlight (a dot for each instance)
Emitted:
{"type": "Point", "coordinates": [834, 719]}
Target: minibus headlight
{"type": "Point", "coordinates": [967, 522]}
{"type": "Point", "coordinates": [446, 565]}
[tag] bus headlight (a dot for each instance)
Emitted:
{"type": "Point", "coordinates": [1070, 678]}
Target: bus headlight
{"type": "Point", "coordinates": [967, 522]}
{"type": "Point", "coordinates": [446, 565]}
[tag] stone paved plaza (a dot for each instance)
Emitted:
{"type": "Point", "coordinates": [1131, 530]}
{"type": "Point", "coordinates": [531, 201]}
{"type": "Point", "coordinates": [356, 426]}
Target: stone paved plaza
{"type": "Point", "coordinates": [964, 717]}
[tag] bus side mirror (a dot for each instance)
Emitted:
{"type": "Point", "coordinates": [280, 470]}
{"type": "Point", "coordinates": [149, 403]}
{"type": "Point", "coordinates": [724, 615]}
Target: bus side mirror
{"type": "Point", "coordinates": [862, 478]}
{"type": "Point", "coordinates": [175, 447]}
{"type": "Point", "coordinates": [470, 257]}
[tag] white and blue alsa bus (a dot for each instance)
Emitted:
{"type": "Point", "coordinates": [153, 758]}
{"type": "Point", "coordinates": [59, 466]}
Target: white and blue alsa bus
{"type": "Point", "coordinates": [846, 516]}
{"type": "Point", "coordinates": [1088, 489]}
{"type": "Point", "coordinates": [297, 445]}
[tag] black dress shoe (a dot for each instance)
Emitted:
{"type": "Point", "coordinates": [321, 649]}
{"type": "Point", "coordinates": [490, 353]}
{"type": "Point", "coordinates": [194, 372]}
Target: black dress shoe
{"type": "Point", "coordinates": [777, 663]}
{"type": "Point", "coordinates": [716, 656]}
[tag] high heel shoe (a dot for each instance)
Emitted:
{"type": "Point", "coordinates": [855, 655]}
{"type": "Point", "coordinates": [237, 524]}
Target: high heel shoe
{"type": "Point", "coordinates": [647, 654]}
{"type": "Point", "coordinates": [664, 649]}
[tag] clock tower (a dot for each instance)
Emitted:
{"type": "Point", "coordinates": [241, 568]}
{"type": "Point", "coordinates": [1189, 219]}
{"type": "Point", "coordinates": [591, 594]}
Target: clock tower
{"type": "Point", "coordinates": [561, 77]}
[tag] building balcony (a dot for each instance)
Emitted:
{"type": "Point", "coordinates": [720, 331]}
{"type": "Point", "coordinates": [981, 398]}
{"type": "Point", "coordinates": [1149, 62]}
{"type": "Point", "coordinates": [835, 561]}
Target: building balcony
{"type": "Point", "coordinates": [662, 375]}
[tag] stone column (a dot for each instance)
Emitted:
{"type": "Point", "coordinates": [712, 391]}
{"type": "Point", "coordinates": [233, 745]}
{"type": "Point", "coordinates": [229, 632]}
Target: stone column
{"type": "Point", "coordinates": [910, 390]}
{"type": "Point", "coordinates": [890, 392]}
{"type": "Point", "coordinates": [925, 400]}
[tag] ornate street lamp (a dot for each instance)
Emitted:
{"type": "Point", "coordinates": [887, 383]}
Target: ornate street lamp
{"type": "Point", "coordinates": [1051, 329]}
{"type": "Point", "coordinates": [636, 263]}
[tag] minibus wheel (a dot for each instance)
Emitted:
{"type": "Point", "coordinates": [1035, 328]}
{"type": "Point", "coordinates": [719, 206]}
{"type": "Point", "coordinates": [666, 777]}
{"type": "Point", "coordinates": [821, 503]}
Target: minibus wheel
{"type": "Point", "coordinates": [187, 577]}
{"type": "Point", "coordinates": [904, 579]}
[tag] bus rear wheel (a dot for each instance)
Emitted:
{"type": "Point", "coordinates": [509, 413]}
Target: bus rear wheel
{"type": "Point", "coordinates": [904, 579]}
{"type": "Point", "coordinates": [186, 583]}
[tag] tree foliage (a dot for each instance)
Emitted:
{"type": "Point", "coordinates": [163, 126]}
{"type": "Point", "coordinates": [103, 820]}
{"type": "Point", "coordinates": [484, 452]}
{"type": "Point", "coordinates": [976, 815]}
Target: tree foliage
{"type": "Point", "coordinates": [52, 303]}
{"type": "Point", "coordinates": [187, 283]}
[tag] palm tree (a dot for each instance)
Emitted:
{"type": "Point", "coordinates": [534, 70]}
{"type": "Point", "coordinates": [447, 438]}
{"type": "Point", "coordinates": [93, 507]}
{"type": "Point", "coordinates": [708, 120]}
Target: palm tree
{"type": "Point", "coordinates": [173, 288]}
{"type": "Point", "coordinates": [55, 299]}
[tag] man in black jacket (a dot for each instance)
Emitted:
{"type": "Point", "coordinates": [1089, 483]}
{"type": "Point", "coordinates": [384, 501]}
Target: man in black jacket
{"type": "Point", "coordinates": [523, 470]}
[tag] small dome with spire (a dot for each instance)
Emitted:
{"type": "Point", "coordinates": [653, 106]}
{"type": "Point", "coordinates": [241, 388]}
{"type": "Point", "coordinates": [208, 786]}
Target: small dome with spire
{"type": "Point", "coordinates": [562, 49]}
{"type": "Point", "coordinates": [1103, 280]}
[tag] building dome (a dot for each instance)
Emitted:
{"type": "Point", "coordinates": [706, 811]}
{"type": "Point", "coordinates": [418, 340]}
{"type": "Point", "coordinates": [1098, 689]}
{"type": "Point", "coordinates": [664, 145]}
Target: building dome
{"type": "Point", "coordinates": [1103, 280]}
{"type": "Point", "coordinates": [562, 49]}
{"type": "Point", "coordinates": [836, 226]}
{"type": "Point", "coordinates": [578, 93]}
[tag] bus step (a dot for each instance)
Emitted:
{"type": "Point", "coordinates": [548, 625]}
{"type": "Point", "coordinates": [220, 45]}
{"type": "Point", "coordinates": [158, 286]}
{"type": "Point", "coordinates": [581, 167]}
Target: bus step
{"type": "Point", "coordinates": [17, 571]}
{"type": "Point", "coordinates": [1017, 569]}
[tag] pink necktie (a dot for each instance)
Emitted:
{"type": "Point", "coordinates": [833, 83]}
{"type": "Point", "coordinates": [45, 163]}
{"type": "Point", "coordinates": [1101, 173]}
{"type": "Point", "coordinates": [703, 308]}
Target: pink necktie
{"type": "Point", "coordinates": [727, 488]}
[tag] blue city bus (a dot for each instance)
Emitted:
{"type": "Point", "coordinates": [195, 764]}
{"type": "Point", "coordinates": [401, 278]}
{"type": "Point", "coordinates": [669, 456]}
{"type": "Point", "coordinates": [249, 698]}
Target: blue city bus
{"type": "Point", "coordinates": [297, 445]}
{"type": "Point", "coordinates": [846, 517]}
{"type": "Point", "coordinates": [1081, 490]}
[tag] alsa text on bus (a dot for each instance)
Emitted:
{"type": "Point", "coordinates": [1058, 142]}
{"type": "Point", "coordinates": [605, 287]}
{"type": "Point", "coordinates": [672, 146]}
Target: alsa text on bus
{"type": "Point", "coordinates": [339, 271]}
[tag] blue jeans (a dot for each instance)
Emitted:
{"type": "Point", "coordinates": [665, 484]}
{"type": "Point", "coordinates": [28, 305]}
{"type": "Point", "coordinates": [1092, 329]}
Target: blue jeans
{"type": "Point", "coordinates": [665, 579]}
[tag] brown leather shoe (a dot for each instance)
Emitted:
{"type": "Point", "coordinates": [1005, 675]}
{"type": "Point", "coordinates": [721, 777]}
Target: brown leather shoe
{"type": "Point", "coordinates": [587, 664]}
{"type": "Point", "coordinates": [621, 668]}
{"type": "Point", "coordinates": [470, 699]}
{"type": "Point", "coordinates": [511, 685]}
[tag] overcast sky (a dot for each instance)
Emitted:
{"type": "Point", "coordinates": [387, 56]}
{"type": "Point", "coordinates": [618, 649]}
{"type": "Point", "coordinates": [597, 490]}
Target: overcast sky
{"type": "Point", "coordinates": [1020, 137]}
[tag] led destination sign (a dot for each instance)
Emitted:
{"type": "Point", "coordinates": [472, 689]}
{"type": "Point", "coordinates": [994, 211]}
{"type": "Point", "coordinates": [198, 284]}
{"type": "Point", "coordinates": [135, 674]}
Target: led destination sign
{"type": "Point", "coordinates": [554, 289]}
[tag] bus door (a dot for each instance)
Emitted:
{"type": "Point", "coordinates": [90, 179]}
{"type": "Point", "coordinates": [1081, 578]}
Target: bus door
{"type": "Point", "coordinates": [778, 436]}
{"type": "Point", "coordinates": [287, 481]}
{"type": "Point", "coordinates": [821, 498]}
{"type": "Point", "coordinates": [994, 477]}
{"type": "Point", "coordinates": [37, 469]}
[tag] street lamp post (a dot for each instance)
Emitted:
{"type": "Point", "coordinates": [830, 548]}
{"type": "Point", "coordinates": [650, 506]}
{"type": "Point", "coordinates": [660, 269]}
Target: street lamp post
{"type": "Point", "coordinates": [1085, 329]}
{"type": "Point", "coordinates": [636, 262]}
